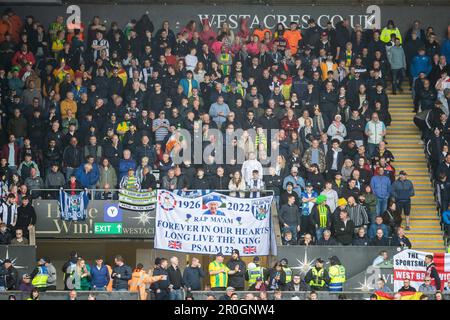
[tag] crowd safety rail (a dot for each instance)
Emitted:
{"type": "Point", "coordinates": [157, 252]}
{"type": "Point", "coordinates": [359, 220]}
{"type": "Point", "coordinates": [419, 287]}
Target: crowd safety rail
{"type": "Point", "coordinates": [81, 295]}
{"type": "Point", "coordinates": [113, 194]}
{"type": "Point", "coordinates": [300, 295]}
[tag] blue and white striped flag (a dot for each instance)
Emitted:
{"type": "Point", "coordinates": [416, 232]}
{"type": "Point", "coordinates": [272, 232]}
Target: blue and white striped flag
{"type": "Point", "coordinates": [192, 194]}
{"type": "Point", "coordinates": [73, 207]}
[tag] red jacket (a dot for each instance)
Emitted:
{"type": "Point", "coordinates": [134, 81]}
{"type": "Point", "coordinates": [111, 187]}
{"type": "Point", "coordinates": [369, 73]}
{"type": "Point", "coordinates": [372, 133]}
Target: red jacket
{"type": "Point", "coordinates": [5, 153]}
{"type": "Point", "coordinates": [289, 125]}
{"type": "Point", "coordinates": [19, 57]}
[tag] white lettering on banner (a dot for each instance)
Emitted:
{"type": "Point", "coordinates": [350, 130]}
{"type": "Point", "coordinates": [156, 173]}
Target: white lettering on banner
{"type": "Point", "coordinates": [271, 24]}
{"type": "Point", "coordinates": [368, 20]}
{"type": "Point", "coordinates": [212, 223]}
{"type": "Point", "coordinates": [323, 24]}
{"type": "Point", "coordinates": [255, 22]}
{"type": "Point", "coordinates": [410, 264]}
{"type": "Point", "coordinates": [233, 21]}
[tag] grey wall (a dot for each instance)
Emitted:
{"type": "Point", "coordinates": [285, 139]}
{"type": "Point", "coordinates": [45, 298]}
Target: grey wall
{"type": "Point", "coordinates": [354, 259]}
{"type": "Point", "coordinates": [179, 15]}
{"type": "Point", "coordinates": [81, 295]}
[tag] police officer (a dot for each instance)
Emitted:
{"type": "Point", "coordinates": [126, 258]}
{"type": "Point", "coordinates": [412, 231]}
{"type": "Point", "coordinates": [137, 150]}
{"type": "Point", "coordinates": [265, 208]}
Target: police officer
{"type": "Point", "coordinates": [288, 271]}
{"type": "Point", "coordinates": [39, 275]}
{"type": "Point", "coordinates": [317, 277]}
{"type": "Point", "coordinates": [337, 274]}
{"type": "Point", "coordinates": [255, 271]}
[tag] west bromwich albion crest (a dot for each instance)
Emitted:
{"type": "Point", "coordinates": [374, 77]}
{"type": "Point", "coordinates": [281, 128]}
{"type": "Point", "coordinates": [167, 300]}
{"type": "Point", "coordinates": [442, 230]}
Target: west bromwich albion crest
{"type": "Point", "coordinates": [260, 209]}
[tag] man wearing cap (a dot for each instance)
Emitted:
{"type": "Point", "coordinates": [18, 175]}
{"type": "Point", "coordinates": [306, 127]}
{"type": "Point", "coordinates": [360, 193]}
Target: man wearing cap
{"type": "Point", "coordinates": [297, 181]}
{"type": "Point", "coordinates": [218, 273]}
{"type": "Point", "coordinates": [9, 274]}
{"type": "Point", "coordinates": [237, 280]}
{"type": "Point", "coordinates": [287, 270]}
{"type": "Point", "coordinates": [317, 277]}
{"type": "Point", "coordinates": [321, 216]}
{"type": "Point", "coordinates": [228, 293]}
{"type": "Point", "coordinates": [255, 271]}
{"type": "Point", "coordinates": [402, 190]}
{"type": "Point", "coordinates": [213, 203]}
{"type": "Point", "coordinates": [308, 199]}
{"type": "Point", "coordinates": [40, 275]}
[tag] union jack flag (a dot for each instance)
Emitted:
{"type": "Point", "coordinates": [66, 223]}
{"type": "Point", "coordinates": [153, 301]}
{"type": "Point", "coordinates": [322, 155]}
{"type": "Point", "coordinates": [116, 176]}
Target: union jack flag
{"type": "Point", "coordinates": [175, 245]}
{"type": "Point", "coordinates": [249, 249]}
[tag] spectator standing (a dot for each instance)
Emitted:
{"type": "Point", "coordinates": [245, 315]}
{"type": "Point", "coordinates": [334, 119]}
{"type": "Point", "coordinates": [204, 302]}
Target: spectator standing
{"type": "Point", "coordinates": [100, 277]}
{"type": "Point", "coordinates": [236, 280]}
{"type": "Point", "coordinates": [381, 186]}
{"type": "Point", "coordinates": [218, 273]}
{"type": "Point", "coordinates": [192, 275]}
{"type": "Point", "coordinates": [121, 273]}
{"type": "Point", "coordinates": [402, 190]}
{"type": "Point", "coordinates": [175, 279]}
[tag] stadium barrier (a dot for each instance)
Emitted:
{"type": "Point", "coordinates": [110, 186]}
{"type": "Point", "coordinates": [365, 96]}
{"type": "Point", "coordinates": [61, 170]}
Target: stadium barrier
{"type": "Point", "coordinates": [299, 295]}
{"type": "Point", "coordinates": [81, 295]}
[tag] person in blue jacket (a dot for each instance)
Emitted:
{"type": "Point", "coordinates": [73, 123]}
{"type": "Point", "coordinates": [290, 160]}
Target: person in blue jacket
{"type": "Point", "coordinates": [445, 48]}
{"type": "Point", "coordinates": [125, 164]}
{"type": "Point", "coordinates": [446, 220]}
{"type": "Point", "coordinates": [420, 63]}
{"type": "Point", "coordinates": [87, 175]}
{"type": "Point", "coordinates": [378, 224]}
{"type": "Point", "coordinates": [381, 186]}
{"type": "Point", "coordinates": [99, 275]}
{"type": "Point", "coordinates": [189, 83]}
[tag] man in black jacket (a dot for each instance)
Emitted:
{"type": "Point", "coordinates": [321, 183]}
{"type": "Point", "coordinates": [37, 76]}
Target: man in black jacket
{"type": "Point", "coordinates": [121, 273]}
{"type": "Point", "coordinates": [334, 159]}
{"type": "Point", "coordinates": [379, 240]}
{"type": "Point", "coordinates": [219, 181]}
{"type": "Point", "coordinates": [297, 284]}
{"type": "Point", "coordinates": [344, 228]}
{"type": "Point", "coordinates": [192, 275]}
{"type": "Point", "coordinates": [161, 288]}
{"type": "Point", "coordinates": [432, 272]}
{"type": "Point", "coordinates": [176, 280]}
{"type": "Point", "coordinates": [200, 181]}
{"type": "Point", "coordinates": [72, 157]}
{"type": "Point", "coordinates": [289, 217]}
{"type": "Point", "coordinates": [11, 276]}
{"type": "Point", "coordinates": [237, 279]}
{"type": "Point", "coordinates": [26, 217]}
{"type": "Point", "coordinates": [427, 96]}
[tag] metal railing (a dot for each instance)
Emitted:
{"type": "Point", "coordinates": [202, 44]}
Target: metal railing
{"type": "Point", "coordinates": [52, 194]}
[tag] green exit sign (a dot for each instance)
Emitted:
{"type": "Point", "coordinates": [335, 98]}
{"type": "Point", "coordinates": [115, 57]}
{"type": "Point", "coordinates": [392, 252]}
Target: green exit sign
{"type": "Point", "coordinates": [107, 228]}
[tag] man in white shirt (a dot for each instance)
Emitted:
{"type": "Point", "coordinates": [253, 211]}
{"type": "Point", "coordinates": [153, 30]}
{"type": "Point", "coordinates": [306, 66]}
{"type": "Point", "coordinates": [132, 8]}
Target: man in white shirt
{"type": "Point", "coordinates": [248, 166]}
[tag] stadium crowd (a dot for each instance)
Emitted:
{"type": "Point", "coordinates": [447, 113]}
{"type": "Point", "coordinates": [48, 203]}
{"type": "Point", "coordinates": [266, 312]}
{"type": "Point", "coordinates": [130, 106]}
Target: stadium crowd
{"type": "Point", "coordinates": [166, 281]}
{"type": "Point", "coordinates": [106, 107]}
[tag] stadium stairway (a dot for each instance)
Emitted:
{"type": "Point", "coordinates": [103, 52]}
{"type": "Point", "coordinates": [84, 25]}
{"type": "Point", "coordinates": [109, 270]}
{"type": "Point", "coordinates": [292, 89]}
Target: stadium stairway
{"type": "Point", "coordinates": [404, 141]}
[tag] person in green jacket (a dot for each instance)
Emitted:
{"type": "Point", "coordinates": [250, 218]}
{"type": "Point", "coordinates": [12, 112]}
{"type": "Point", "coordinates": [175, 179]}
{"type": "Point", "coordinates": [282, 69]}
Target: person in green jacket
{"type": "Point", "coordinates": [369, 200]}
{"type": "Point", "coordinates": [82, 276]}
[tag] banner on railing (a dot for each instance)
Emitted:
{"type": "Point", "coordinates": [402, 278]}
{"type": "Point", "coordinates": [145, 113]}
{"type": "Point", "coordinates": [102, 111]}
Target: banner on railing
{"type": "Point", "coordinates": [410, 264]}
{"type": "Point", "coordinates": [137, 200]}
{"type": "Point", "coordinates": [213, 223]}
